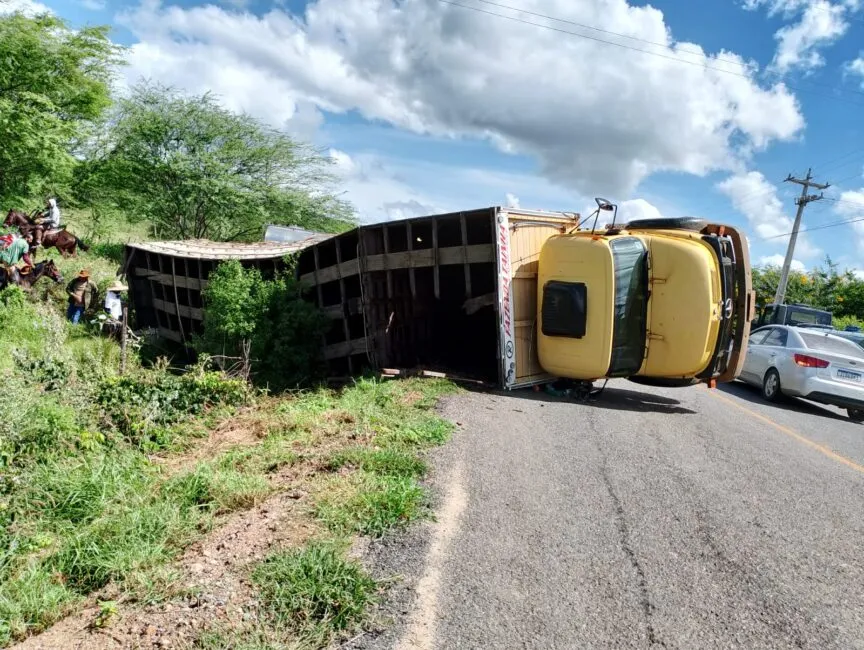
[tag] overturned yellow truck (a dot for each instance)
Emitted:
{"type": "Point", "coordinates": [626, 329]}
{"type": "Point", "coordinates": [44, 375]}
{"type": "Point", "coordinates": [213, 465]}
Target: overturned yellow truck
{"type": "Point", "coordinates": [505, 295]}
{"type": "Point", "coordinates": [661, 301]}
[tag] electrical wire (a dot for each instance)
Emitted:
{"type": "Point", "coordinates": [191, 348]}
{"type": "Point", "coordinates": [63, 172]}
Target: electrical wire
{"type": "Point", "coordinates": [834, 224]}
{"type": "Point", "coordinates": [669, 57]}
{"type": "Point", "coordinates": [612, 33]}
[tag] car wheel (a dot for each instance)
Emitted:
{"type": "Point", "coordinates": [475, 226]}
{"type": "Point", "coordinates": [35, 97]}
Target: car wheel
{"type": "Point", "coordinates": [856, 415]}
{"type": "Point", "coordinates": [771, 386]}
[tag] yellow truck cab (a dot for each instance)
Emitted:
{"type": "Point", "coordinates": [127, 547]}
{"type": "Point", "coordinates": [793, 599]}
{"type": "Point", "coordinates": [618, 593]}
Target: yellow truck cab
{"type": "Point", "coordinates": [660, 301]}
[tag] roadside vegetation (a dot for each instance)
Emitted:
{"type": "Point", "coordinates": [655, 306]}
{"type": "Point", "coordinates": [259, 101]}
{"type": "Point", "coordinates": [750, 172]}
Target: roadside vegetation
{"type": "Point", "coordinates": [824, 287]}
{"type": "Point", "coordinates": [103, 487]}
{"type": "Point", "coordinates": [118, 492]}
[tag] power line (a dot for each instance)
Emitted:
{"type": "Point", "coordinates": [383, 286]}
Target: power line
{"type": "Point", "coordinates": [607, 31]}
{"type": "Point", "coordinates": [595, 39]}
{"type": "Point", "coordinates": [833, 224]}
{"type": "Point", "coordinates": [649, 52]}
{"type": "Point", "coordinates": [845, 201]}
{"type": "Point", "coordinates": [823, 167]}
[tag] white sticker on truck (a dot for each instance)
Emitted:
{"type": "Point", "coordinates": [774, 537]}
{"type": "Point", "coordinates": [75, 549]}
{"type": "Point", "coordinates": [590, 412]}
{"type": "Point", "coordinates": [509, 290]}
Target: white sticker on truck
{"type": "Point", "coordinates": [505, 306]}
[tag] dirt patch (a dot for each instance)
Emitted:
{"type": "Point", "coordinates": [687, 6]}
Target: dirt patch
{"type": "Point", "coordinates": [246, 428]}
{"type": "Point", "coordinates": [411, 397]}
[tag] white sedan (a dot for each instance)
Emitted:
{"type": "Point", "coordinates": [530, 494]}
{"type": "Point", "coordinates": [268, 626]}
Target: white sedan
{"type": "Point", "coordinates": [808, 363]}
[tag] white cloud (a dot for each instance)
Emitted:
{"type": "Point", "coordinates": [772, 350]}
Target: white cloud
{"type": "Point", "coordinates": [851, 206]}
{"type": "Point", "coordinates": [598, 118]}
{"type": "Point", "coordinates": [821, 24]}
{"type": "Point", "coordinates": [856, 68]}
{"type": "Point", "coordinates": [754, 197]}
{"type": "Point", "coordinates": [384, 189]}
{"type": "Point", "coordinates": [376, 191]}
{"type": "Point", "coordinates": [636, 209]}
{"type": "Point", "coordinates": [778, 259]}
{"type": "Point", "coordinates": [27, 7]}
{"type": "Point", "coordinates": [512, 200]}
{"type": "Point", "coordinates": [93, 5]}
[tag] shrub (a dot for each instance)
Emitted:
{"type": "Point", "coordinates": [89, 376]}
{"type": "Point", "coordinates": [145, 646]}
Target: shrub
{"type": "Point", "coordinates": [33, 427]}
{"type": "Point", "coordinates": [265, 323]}
{"type": "Point", "coordinates": [144, 405]}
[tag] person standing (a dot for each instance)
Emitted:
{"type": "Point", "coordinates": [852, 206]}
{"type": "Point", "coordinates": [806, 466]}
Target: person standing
{"type": "Point", "coordinates": [82, 293]}
{"type": "Point", "coordinates": [113, 300]}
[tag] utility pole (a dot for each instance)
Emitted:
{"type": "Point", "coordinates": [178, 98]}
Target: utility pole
{"type": "Point", "coordinates": [801, 201]}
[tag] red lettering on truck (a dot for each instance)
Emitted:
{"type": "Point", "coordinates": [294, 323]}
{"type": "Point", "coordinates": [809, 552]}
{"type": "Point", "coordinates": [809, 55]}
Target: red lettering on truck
{"type": "Point", "coordinates": [504, 270]}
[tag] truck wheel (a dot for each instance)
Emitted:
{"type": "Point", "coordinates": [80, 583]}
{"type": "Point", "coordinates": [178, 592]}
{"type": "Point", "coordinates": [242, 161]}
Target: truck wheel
{"type": "Point", "coordinates": [771, 386]}
{"type": "Point", "coordinates": [856, 415]}
{"type": "Point", "coordinates": [679, 223]}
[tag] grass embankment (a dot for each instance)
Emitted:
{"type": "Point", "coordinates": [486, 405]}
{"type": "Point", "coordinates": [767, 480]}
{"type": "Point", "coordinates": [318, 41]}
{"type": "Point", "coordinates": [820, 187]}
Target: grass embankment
{"type": "Point", "coordinates": [102, 485]}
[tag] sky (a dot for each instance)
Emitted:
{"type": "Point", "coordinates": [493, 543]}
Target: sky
{"type": "Point", "coordinates": [671, 108]}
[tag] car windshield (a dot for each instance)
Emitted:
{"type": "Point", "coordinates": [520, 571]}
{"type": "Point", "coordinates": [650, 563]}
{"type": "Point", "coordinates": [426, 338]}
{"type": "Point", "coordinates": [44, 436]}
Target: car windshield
{"type": "Point", "coordinates": [832, 344]}
{"type": "Point", "coordinates": [630, 259]}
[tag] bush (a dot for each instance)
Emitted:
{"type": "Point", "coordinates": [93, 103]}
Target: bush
{"type": "Point", "coordinates": [265, 323]}
{"type": "Point", "coordinates": [143, 406]}
{"type": "Point", "coordinates": [841, 322]}
{"type": "Point", "coordinates": [33, 427]}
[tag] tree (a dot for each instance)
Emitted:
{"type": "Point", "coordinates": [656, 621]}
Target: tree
{"type": "Point", "coordinates": [266, 324]}
{"type": "Point", "coordinates": [53, 82]}
{"type": "Point", "coordinates": [196, 170]}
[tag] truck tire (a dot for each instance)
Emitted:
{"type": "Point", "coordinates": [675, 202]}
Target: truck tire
{"type": "Point", "coordinates": [678, 223]}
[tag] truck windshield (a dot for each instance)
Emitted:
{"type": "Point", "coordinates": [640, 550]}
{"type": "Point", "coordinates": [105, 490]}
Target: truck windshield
{"type": "Point", "coordinates": [630, 260]}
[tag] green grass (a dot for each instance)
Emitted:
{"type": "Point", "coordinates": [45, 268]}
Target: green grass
{"type": "Point", "coordinates": [387, 462]}
{"type": "Point", "coordinates": [372, 505]}
{"type": "Point", "coordinates": [30, 601]}
{"type": "Point", "coordinates": [83, 506]}
{"type": "Point", "coordinates": [314, 592]}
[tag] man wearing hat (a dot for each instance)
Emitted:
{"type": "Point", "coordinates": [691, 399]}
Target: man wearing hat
{"type": "Point", "coordinates": [82, 293]}
{"type": "Point", "coordinates": [113, 302]}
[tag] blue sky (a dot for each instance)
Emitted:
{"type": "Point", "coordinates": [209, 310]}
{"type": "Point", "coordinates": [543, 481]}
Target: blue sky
{"type": "Point", "coordinates": [428, 106]}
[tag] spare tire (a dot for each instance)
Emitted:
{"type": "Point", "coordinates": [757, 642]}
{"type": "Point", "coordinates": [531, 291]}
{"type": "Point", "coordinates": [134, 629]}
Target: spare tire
{"type": "Point", "coordinates": [678, 223]}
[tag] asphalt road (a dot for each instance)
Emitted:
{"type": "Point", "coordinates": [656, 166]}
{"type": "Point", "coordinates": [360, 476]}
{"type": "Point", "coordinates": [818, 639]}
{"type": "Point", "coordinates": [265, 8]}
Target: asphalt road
{"type": "Point", "coordinates": [679, 518]}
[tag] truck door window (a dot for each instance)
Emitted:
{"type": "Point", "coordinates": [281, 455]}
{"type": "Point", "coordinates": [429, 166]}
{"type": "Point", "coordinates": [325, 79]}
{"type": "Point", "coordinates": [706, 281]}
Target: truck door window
{"type": "Point", "coordinates": [565, 307]}
{"type": "Point", "coordinates": [630, 261]}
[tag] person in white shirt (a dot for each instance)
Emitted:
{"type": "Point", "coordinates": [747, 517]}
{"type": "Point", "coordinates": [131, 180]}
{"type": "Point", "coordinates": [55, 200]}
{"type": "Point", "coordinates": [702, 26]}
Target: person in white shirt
{"type": "Point", "coordinates": [113, 301]}
{"type": "Point", "coordinates": [49, 221]}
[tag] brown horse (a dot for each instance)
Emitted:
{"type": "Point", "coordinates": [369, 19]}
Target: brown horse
{"type": "Point", "coordinates": [63, 240]}
{"type": "Point", "coordinates": [47, 269]}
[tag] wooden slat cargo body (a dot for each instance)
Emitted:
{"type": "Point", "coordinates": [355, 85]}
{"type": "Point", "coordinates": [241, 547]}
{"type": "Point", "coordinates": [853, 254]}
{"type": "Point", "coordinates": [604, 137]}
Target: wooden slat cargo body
{"type": "Point", "coordinates": [451, 292]}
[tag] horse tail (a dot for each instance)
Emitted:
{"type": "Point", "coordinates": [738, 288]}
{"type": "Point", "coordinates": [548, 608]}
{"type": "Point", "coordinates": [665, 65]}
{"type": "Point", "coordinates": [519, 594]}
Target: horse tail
{"type": "Point", "coordinates": [84, 247]}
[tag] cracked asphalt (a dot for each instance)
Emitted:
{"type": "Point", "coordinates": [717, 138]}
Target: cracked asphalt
{"type": "Point", "coordinates": [669, 518]}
